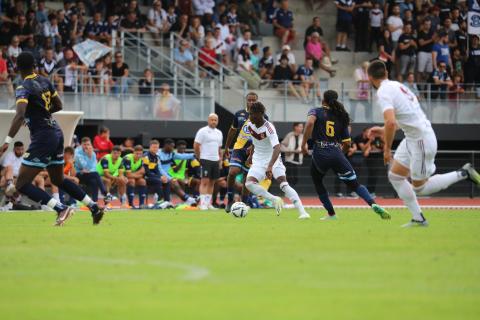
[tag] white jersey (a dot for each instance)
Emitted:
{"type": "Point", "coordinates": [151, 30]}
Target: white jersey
{"type": "Point", "coordinates": [210, 140]}
{"type": "Point", "coordinates": [410, 116]}
{"type": "Point", "coordinates": [263, 139]}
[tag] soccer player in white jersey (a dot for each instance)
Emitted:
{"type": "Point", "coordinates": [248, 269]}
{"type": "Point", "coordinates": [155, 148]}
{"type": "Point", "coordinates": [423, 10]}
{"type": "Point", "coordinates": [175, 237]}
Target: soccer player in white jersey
{"type": "Point", "coordinates": [266, 161]}
{"type": "Point", "coordinates": [415, 156]}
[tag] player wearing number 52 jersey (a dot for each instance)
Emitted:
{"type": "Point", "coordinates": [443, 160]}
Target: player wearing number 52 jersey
{"type": "Point", "coordinates": [415, 156]}
{"type": "Point", "coordinates": [328, 127]}
{"type": "Point", "coordinates": [36, 101]}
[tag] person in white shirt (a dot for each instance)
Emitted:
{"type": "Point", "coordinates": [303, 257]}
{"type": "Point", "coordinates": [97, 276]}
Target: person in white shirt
{"type": "Point", "coordinates": [207, 146]}
{"type": "Point", "coordinates": [395, 24]}
{"type": "Point", "coordinates": [266, 161]}
{"type": "Point", "coordinates": [157, 19]}
{"type": "Point", "coordinates": [415, 156]}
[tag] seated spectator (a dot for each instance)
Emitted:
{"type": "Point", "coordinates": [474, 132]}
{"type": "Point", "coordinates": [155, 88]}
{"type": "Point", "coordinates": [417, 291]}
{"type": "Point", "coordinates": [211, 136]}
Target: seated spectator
{"type": "Point", "coordinates": [245, 39]}
{"type": "Point", "coordinates": [200, 7]}
{"type": "Point", "coordinates": [109, 27]}
{"type": "Point", "coordinates": [132, 24]}
{"type": "Point", "coordinates": [157, 22]}
{"type": "Point", "coordinates": [266, 64]}
{"type": "Point", "coordinates": [95, 27]}
{"type": "Point", "coordinates": [120, 75]}
{"type": "Point", "coordinates": [23, 30]}
{"type": "Point", "coordinates": [183, 55]}
{"type": "Point", "coordinates": [167, 105]}
{"type": "Point", "coordinates": [362, 94]}
{"type": "Point", "coordinates": [248, 16]}
{"type": "Point", "coordinates": [407, 49]}
{"type": "Point", "coordinates": [225, 33]}
{"type": "Point", "coordinates": [441, 51]}
{"type": "Point", "coordinates": [313, 50]}
{"type": "Point", "coordinates": [344, 23]}
{"type": "Point", "coordinates": [77, 28]}
{"type": "Point", "coordinates": [102, 143]}
{"type": "Point", "coordinates": [206, 58]}
{"type": "Point", "coordinates": [376, 25]}
{"type": "Point", "coordinates": [5, 83]}
{"type": "Point", "coordinates": [32, 47]}
{"type": "Point", "coordinates": [441, 81]}
{"type": "Point", "coordinates": [197, 32]}
{"type": "Point", "coordinates": [181, 27]}
{"type": "Point", "coordinates": [172, 16]}
{"type": "Point", "coordinates": [220, 10]}
{"type": "Point", "coordinates": [6, 33]}
{"type": "Point", "coordinates": [315, 27]}
{"type": "Point", "coordinates": [221, 48]}
{"type": "Point", "coordinates": [283, 23]}
{"type": "Point", "coordinates": [255, 57]}
{"type": "Point", "coordinates": [51, 30]}
{"type": "Point", "coordinates": [395, 24]}
{"type": "Point", "coordinates": [410, 84]}
{"type": "Point", "coordinates": [41, 14]}
{"type": "Point", "coordinates": [308, 81]}
{"type": "Point", "coordinates": [283, 77]}
{"type": "Point", "coordinates": [135, 174]}
{"type": "Point", "coordinates": [14, 49]}
{"type": "Point", "coordinates": [232, 19]}
{"type": "Point", "coordinates": [145, 85]}
{"type": "Point", "coordinates": [289, 54]}
{"type": "Point", "coordinates": [245, 68]}
{"type": "Point", "coordinates": [111, 170]}
{"type": "Point", "coordinates": [473, 62]}
{"type": "Point", "coordinates": [101, 79]}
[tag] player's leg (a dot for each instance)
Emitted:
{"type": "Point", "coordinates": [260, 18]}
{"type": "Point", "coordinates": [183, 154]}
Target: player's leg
{"type": "Point", "coordinates": [121, 183]}
{"type": "Point", "coordinates": [131, 191]}
{"type": "Point", "coordinates": [141, 185]}
{"type": "Point", "coordinates": [177, 189]}
{"type": "Point", "coordinates": [236, 163]}
{"type": "Point", "coordinates": [256, 174]}
{"type": "Point", "coordinates": [322, 192]}
{"type": "Point", "coordinates": [279, 173]}
{"type": "Point", "coordinates": [213, 177]}
{"type": "Point", "coordinates": [56, 175]}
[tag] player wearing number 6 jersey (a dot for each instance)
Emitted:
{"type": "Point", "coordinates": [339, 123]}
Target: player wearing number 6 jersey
{"type": "Point", "coordinates": [328, 128]}
{"type": "Point", "coordinates": [415, 156]}
{"type": "Point", "coordinates": [266, 161]}
{"type": "Point", "coordinates": [36, 101]}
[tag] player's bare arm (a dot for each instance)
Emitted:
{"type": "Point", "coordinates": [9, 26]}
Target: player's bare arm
{"type": "Point", "coordinates": [275, 155]}
{"type": "Point", "coordinates": [17, 123]}
{"type": "Point", "coordinates": [307, 134]}
{"type": "Point", "coordinates": [57, 104]}
{"type": "Point", "coordinates": [232, 132]}
{"type": "Point", "coordinates": [390, 128]}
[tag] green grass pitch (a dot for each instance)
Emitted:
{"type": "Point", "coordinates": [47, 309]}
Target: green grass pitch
{"type": "Point", "coordinates": [191, 265]}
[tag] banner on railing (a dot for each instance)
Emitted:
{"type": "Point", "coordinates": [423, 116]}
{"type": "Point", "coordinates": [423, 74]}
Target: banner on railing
{"type": "Point", "coordinates": [473, 20]}
{"type": "Point", "coordinates": [89, 51]}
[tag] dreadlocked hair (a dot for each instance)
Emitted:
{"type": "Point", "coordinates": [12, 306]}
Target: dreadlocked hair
{"type": "Point", "coordinates": [330, 97]}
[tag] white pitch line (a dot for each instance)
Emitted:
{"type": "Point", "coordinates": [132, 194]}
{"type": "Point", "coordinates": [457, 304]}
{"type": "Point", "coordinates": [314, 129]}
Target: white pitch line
{"type": "Point", "coordinates": [290, 206]}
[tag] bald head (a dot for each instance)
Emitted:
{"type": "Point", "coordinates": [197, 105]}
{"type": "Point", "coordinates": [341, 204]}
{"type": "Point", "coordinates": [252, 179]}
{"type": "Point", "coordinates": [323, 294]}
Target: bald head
{"type": "Point", "coordinates": [212, 120]}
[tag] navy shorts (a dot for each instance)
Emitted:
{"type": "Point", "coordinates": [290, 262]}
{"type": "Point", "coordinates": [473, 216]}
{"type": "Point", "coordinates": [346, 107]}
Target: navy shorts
{"type": "Point", "coordinates": [239, 159]}
{"type": "Point", "coordinates": [45, 149]}
{"type": "Point", "coordinates": [333, 158]}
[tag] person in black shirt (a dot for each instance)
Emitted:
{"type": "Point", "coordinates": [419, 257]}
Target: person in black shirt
{"type": "Point", "coordinates": [283, 76]}
{"type": "Point", "coordinates": [266, 64]}
{"type": "Point", "coordinates": [64, 27]}
{"type": "Point", "coordinates": [461, 36]}
{"type": "Point", "coordinates": [361, 19]}
{"type": "Point", "coordinates": [407, 49]}
{"type": "Point", "coordinates": [132, 23]}
{"type": "Point", "coordinates": [372, 151]}
{"type": "Point", "coordinates": [120, 74]}
{"type": "Point", "coordinates": [23, 30]}
{"type": "Point", "coordinates": [473, 62]}
{"type": "Point", "coordinates": [6, 34]}
{"type": "Point", "coordinates": [385, 50]}
{"type": "Point", "coordinates": [145, 85]}
{"type": "Point", "coordinates": [425, 44]}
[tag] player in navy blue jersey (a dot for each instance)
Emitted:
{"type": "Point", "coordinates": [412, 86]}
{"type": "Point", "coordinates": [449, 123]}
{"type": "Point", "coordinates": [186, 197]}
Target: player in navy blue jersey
{"type": "Point", "coordinates": [36, 101]}
{"type": "Point", "coordinates": [328, 127]}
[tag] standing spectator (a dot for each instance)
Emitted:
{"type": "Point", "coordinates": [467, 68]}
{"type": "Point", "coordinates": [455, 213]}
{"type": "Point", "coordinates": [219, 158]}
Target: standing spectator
{"type": "Point", "coordinates": [361, 17]}
{"type": "Point", "coordinates": [452, 39]}
{"type": "Point", "coordinates": [85, 163]}
{"type": "Point", "coordinates": [362, 95]}
{"type": "Point", "coordinates": [441, 51]}
{"type": "Point", "coordinates": [441, 81]}
{"type": "Point", "coordinates": [425, 46]}
{"type": "Point", "coordinates": [100, 75]}
{"type": "Point", "coordinates": [183, 55]}
{"type": "Point", "coordinates": [247, 15]}
{"type": "Point", "coordinates": [461, 36]}
{"type": "Point", "coordinates": [120, 74]}
{"type": "Point", "coordinates": [145, 85]}
{"type": "Point", "coordinates": [197, 32]}
{"type": "Point", "coordinates": [455, 92]}
{"type": "Point", "coordinates": [344, 22]}
{"type": "Point", "coordinates": [245, 68]}
{"type": "Point", "coordinates": [172, 16]}
{"type": "Point", "coordinates": [473, 62]}
{"type": "Point", "coordinates": [157, 20]}
{"type": "Point", "coordinates": [61, 24]}
{"type": "Point", "coordinates": [458, 62]}
{"type": "Point", "coordinates": [5, 84]}
{"type": "Point", "coordinates": [102, 143]}
{"type": "Point", "coordinates": [372, 150]}
{"type": "Point", "coordinates": [314, 51]}
{"type": "Point", "coordinates": [208, 148]}
{"type": "Point", "coordinates": [386, 52]}
{"type": "Point", "coordinates": [283, 23]}
{"type": "Point", "coordinates": [376, 25]}
{"type": "Point", "coordinates": [395, 25]}
{"type": "Point", "coordinates": [407, 49]}
{"type": "Point", "coordinates": [6, 33]}
{"type": "Point", "coordinates": [168, 106]}
{"type": "Point", "coordinates": [292, 146]}
{"type": "Point", "coordinates": [266, 64]}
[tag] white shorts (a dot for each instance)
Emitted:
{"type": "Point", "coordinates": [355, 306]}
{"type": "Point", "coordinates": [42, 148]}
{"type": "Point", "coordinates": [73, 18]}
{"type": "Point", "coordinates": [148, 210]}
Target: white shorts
{"type": "Point", "coordinates": [418, 155]}
{"type": "Point", "coordinates": [258, 170]}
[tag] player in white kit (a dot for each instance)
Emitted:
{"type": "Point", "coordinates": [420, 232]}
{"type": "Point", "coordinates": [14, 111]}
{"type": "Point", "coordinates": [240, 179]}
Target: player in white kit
{"type": "Point", "coordinates": [415, 156]}
{"type": "Point", "coordinates": [266, 161]}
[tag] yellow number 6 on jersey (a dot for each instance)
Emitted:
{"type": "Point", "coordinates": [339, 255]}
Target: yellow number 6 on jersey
{"type": "Point", "coordinates": [47, 97]}
{"type": "Point", "coordinates": [330, 128]}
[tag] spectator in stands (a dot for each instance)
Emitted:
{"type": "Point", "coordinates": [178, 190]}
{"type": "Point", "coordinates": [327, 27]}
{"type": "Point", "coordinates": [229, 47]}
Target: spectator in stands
{"type": "Point", "coordinates": [458, 62]}
{"type": "Point", "coordinates": [291, 145]}
{"type": "Point", "coordinates": [101, 77]}
{"type": "Point", "coordinates": [410, 84]}
{"type": "Point", "coordinates": [313, 50]}
{"type": "Point", "coordinates": [145, 85]}
{"type": "Point", "coordinates": [157, 22]}
{"type": "Point", "coordinates": [167, 106]}
{"type": "Point", "coordinates": [183, 55]}
{"type": "Point", "coordinates": [344, 22]}
{"type": "Point", "coordinates": [409, 19]}
{"type": "Point", "coordinates": [361, 18]}
{"type": "Point", "coordinates": [376, 25]}
{"type": "Point", "coordinates": [23, 30]}
{"type": "Point", "coordinates": [206, 58]}
{"type": "Point", "coordinates": [221, 49]}
{"type": "Point", "coordinates": [102, 143]}
{"type": "Point", "coordinates": [63, 26]}
{"type": "Point", "coordinates": [248, 16]}
{"type": "Point", "coordinates": [473, 62]}
{"type": "Point", "coordinates": [372, 150]}
{"type": "Point", "coordinates": [461, 36]}
{"type": "Point", "coordinates": [6, 33]}
{"type": "Point", "coordinates": [362, 94]}
{"type": "Point", "coordinates": [452, 39]}
{"type": "Point", "coordinates": [109, 26]}
{"type": "Point", "coordinates": [5, 83]}
{"type": "Point", "coordinates": [71, 69]}
{"type": "Point", "coordinates": [266, 65]}
{"type": "Point", "coordinates": [308, 81]}
{"type": "Point", "coordinates": [197, 32]}
{"type": "Point", "coordinates": [395, 25]}
{"type": "Point", "coordinates": [232, 19]}
{"type": "Point", "coordinates": [245, 68]}
{"type": "Point", "coordinates": [77, 28]}
{"type": "Point", "coordinates": [425, 46]}
{"type": "Point", "coordinates": [315, 27]}
{"type": "Point", "coordinates": [407, 49]}
{"type": "Point", "coordinates": [200, 7]}
{"type": "Point", "coordinates": [132, 24]}
{"type": "Point", "coordinates": [32, 47]}
{"type": "Point", "coordinates": [255, 57]}
{"type": "Point", "coordinates": [456, 19]}
{"type": "Point", "coordinates": [225, 30]}
{"type": "Point", "coordinates": [131, 6]}
{"type": "Point", "coordinates": [120, 75]}
{"type": "Point", "coordinates": [95, 27]}
{"type": "Point", "coordinates": [441, 81]}
{"type": "Point", "coordinates": [455, 92]}
{"type": "Point", "coordinates": [245, 39]}
{"type": "Point", "coordinates": [111, 170]}
{"type": "Point", "coordinates": [135, 173]}
{"type": "Point", "coordinates": [181, 27]}
{"type": "Point", "coordinates": [386, 52]}
{"type": "Point", "coordinates": [14, 48]}
{"type": "Point", "coordinates": [85, 163]}
{"type": "Point", "coordinates": [283, 77]}
{"type": "Point", "coordinates": [41, 14]}
{"type": "Point", "coordinates": [441, 51]}
{"type": "Point", "coordinates": [283, 23]}
{"type": "Point", "coordinates": [286, 51]}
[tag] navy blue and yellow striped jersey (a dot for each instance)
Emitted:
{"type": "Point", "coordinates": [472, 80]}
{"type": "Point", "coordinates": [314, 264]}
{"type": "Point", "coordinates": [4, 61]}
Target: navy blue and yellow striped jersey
{"type": "Point", "coordinates": [328, 128]}
{"type": "Point", "coordinates": [37, 92]}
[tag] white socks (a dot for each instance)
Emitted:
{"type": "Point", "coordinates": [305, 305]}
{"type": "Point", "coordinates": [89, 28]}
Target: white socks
{"type": "Point", "coordinates": [205, 200]}
{"type": "Point", "coordinates": [257, 190]}
{"type": "Point", "coordinates": [87, 201]}
{"type": "Point", "coordinates": [56, 196]}
{"type": "Point", "coordinates": [293, 196]}
{"type": "Point", "coordinates": [406, 193]}
{"type": "Point", "coordinates": [439, 182]}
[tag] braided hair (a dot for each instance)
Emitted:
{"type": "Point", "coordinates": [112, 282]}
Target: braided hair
{"type": "Point", "coordinates": [330, 99]}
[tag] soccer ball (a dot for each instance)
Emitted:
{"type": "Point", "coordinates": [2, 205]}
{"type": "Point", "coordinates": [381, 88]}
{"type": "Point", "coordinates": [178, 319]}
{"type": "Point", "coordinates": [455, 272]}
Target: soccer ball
{"type": "Point", "coordinates": [239, 210]}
